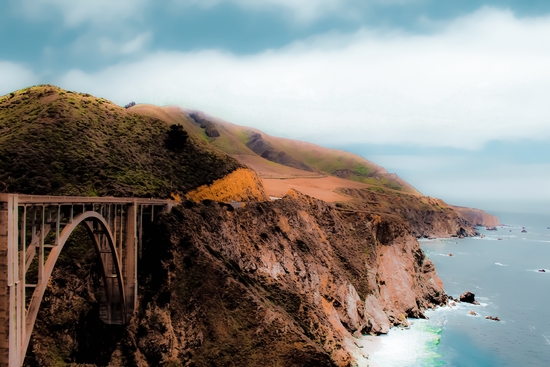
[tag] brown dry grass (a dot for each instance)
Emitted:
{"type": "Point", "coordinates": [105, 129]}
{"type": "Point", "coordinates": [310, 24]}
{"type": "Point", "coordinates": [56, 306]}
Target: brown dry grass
{"type": "Point", "coordinates": [268, 169]}
{"type": "Point", "coordinates": [320, 188]}
{"type": "Point", "coordinates": [240, 185]}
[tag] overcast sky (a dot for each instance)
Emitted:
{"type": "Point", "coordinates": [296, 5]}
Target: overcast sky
{"type": "Point", "coordinates": [453, 96]}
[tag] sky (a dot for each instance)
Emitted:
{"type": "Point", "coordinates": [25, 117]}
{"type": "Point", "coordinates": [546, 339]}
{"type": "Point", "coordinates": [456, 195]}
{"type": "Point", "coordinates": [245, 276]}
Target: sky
{"type": "Point", "coordinates": [450, 95]}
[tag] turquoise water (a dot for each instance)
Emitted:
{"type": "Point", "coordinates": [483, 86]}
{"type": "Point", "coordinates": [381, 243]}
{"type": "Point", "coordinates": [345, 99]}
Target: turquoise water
{"type": "Point", "coordinates": [503, 275]}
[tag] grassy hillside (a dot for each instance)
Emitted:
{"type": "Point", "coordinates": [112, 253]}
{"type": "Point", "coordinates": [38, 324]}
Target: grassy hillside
{"type": "Point", "coordinates": [59, 142]}
{"type": "Point", "coordinates": [311, 159]}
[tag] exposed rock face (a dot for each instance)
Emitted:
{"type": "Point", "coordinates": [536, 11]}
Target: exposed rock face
{"type": "Point", "coordinates": [241, 185]}
{"type": "Point", "coordinates": [477, 217]}
{"type": "Point", "coordinates": [288, 282]}
{"type": "Point", "coordinates": [427, 216]}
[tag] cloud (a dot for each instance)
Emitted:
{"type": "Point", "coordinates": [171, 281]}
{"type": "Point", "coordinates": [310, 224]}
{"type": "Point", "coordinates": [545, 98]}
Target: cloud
{"type": "Point", "coordinates": [300, 11]}
{"type": "Point", "coordinates": [14, 76]}
{"type": "Point", "coordinates": [482, 77]}
{"type": "Point", "coordinates": [76, 12]}
{"type": "Point", "coordinates": [107, 11]}
{"type": "Point", "coordinates": [108, 46]}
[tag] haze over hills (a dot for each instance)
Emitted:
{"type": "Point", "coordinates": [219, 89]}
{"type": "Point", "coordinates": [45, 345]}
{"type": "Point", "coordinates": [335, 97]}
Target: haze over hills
{"type": "Point", "coordinates": [90, 146]}
{"type": "Point", "coordinates": [274, 157]}
{"type": "Point", "coordinates": [328, 174]}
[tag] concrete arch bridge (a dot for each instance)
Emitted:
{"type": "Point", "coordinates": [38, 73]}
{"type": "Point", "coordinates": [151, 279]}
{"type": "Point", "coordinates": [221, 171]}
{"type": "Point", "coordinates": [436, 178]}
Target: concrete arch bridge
{"type": "Point", "coordinates": [33, 231]}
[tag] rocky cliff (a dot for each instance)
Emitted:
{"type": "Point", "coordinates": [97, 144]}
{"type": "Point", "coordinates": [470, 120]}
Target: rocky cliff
{"type": "Point", "coordinates": [477, 217]}
{"type": "Point", "coordinates": [427, 216]}
{"type": "Point", "coordinates": [292, 282]}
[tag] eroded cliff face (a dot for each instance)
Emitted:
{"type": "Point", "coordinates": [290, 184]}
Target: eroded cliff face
{"type": "Point", "coordinates": [477, 217]}
{"type": "Point", "coordinates": [284, 283]}
{"type": "Point", "coordinates": [427, 216]}
{"type": "Point", "coordinates": [291, 282]}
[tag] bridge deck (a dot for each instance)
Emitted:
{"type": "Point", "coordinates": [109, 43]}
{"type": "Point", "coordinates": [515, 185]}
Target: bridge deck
{"type": "Point", "coordinates": [76, 200]}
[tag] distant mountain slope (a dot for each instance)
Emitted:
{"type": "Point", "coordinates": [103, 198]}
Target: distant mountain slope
{"type": "Point", "coordinates": [59, 142]}
{"type": "Point", "coordinates": [311, 159]}
{"type": "Point", "coordinates": [477, 217]}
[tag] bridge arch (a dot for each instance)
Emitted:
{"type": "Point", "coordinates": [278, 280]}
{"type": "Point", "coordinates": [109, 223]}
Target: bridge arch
{"type": "Point", "coordinates": [100, 237]}
{"type": "Point", "coordinates": [115, 226]}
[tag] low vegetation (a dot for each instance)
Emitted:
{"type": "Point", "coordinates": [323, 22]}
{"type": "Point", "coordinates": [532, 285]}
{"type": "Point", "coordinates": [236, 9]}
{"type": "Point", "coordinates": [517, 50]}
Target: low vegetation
{"type": "Point", "coordinates": [59, 142]}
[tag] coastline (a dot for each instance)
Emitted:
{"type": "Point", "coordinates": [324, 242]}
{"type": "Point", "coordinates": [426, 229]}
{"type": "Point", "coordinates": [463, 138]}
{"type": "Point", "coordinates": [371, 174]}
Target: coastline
{"type": "Point", "coordinates": [497, 273]}
{"type": "Point", "coordinates": [417, 343]}
{"type": "Point", "coordinates": [362, 349]}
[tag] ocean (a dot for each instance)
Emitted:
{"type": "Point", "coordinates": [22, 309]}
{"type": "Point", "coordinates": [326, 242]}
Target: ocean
{"type": "Point", "coordinates": [502, 270]}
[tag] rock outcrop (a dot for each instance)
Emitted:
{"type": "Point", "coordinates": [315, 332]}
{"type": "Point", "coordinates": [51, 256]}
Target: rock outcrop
{"type": "Point", "coordinates": [289, 281]}
{"type": "Point", "coordinates": [292, 282]}
{"type": "Point", "coordinates": [477, 217]}
{"type": "Point", "coordinates": [427, 216]}
{"type": "Point", "coordinates": [468, 297]}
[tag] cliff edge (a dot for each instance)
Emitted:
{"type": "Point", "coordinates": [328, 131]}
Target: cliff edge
{"type": "Point", "coordinates": [477, 217]}
{"type": "Point", "coordinates": [427, 216]}
{"type": "Point", "coordinates": [293, 282]}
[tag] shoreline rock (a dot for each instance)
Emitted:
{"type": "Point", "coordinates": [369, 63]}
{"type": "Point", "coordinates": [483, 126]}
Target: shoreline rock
{"type": "Point", "coordinates": [468, 297]}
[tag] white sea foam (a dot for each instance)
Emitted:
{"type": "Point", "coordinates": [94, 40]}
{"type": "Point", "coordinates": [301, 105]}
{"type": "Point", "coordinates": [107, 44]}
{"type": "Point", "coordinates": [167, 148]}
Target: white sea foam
{"type": "Point", "coordinates": [546, 338]}
{"type": "Point", "coordinates": [500, 264]}
{"type": "Point", "coordinates": [487, 238]}
{"type": "Point", "coordinates": [417, 345]}
{"type": "Point", "coordinates": [446, 255]}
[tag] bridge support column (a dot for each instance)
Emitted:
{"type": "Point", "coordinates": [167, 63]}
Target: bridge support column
{"type": "Point", "coordinates": [12, 286]}
{"type": "Point", "coordinates": [129, 257]}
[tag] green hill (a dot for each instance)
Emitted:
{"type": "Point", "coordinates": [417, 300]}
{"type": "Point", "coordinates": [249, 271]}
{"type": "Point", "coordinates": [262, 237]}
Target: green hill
{"type": "Point", "coordinates": [60, 142]}
{"type": "Point", "coordinates": [242, 142]}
